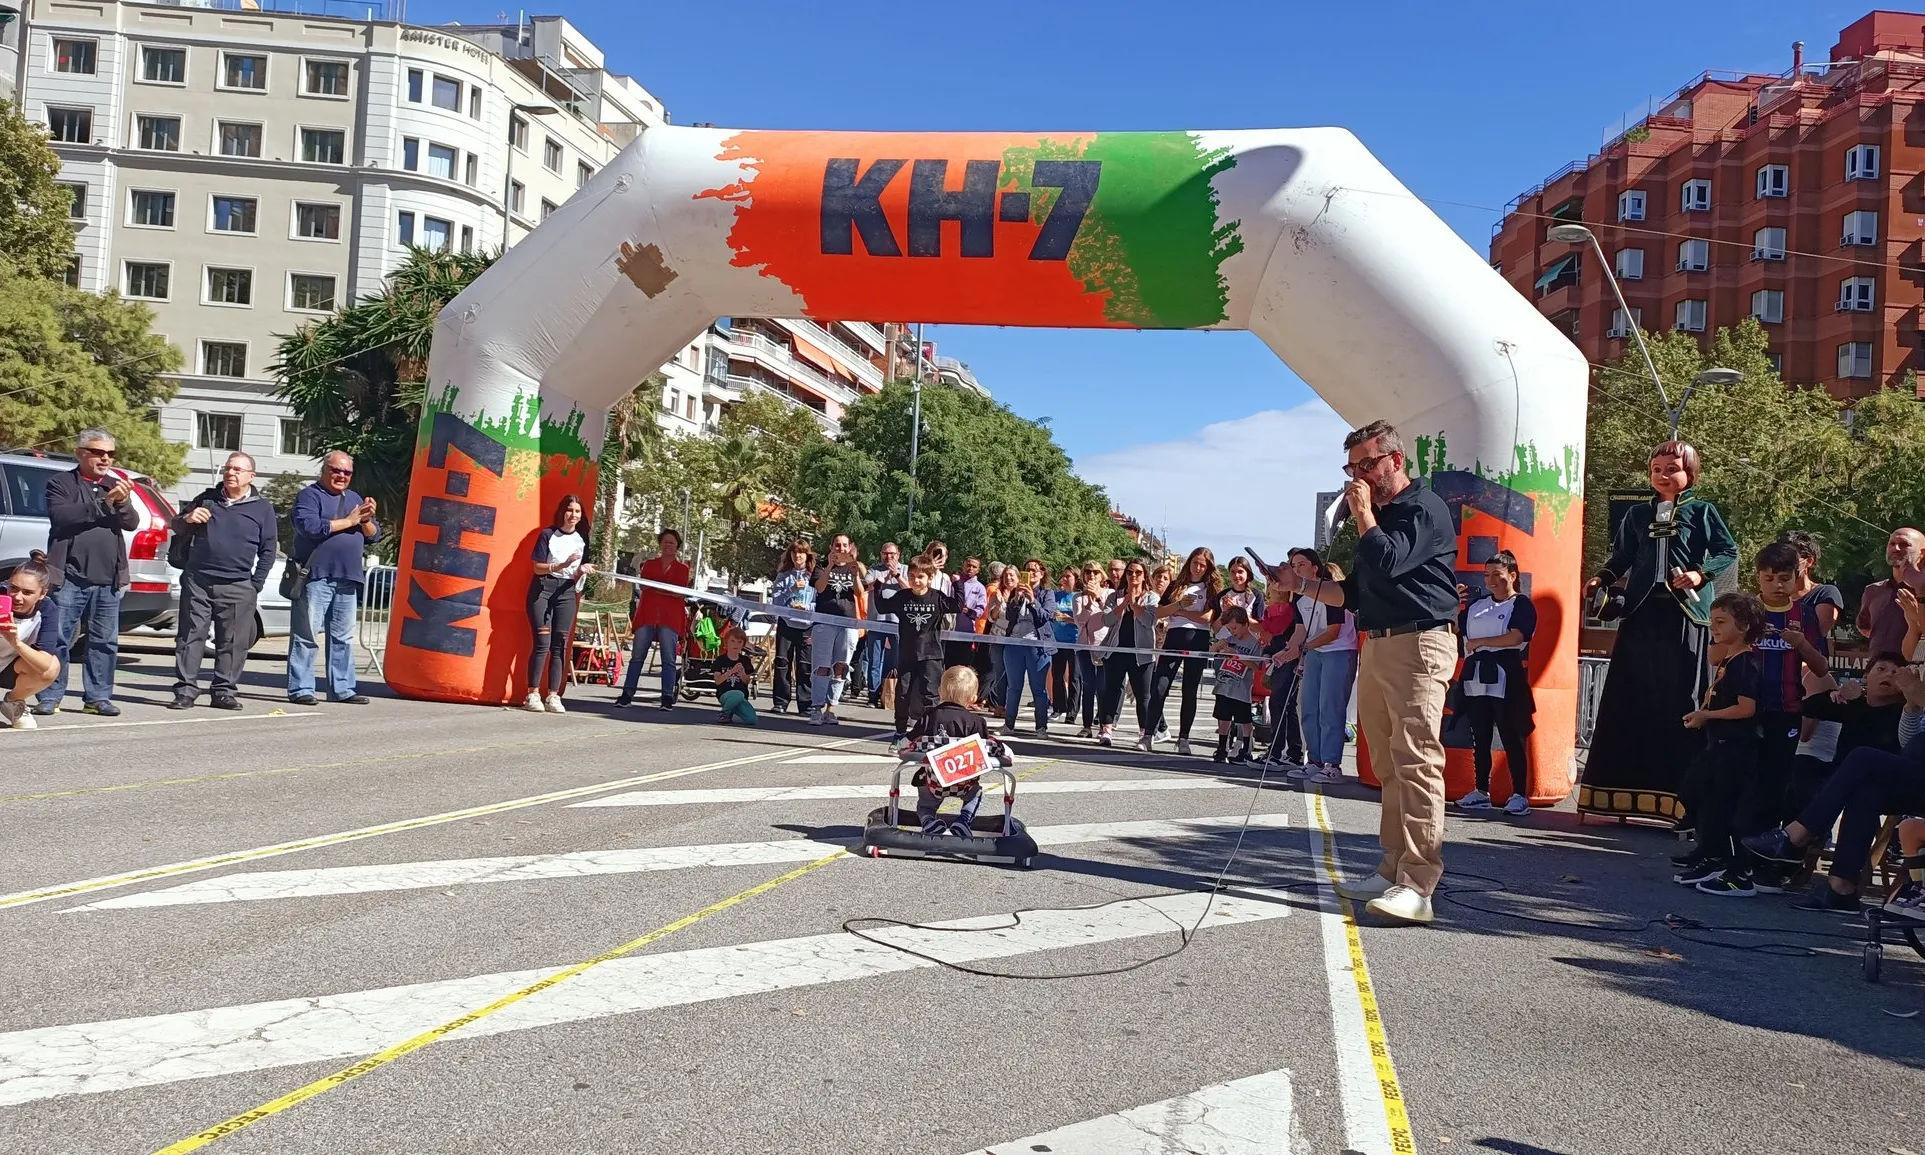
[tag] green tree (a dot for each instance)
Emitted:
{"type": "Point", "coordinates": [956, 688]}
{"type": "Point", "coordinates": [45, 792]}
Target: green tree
{"type": "Point", "coordinates": [35, 233]}
{"type": "Point", "coordinates": [632, 437]}
{"type": "Point", "coordinates": [988, 482]}
{"type": "Point", "coordinates": [1883, 482]}
{"type": "Point", "coordinates": [357, 378]}
{"type": "Point", "coordinates": [70, 360]}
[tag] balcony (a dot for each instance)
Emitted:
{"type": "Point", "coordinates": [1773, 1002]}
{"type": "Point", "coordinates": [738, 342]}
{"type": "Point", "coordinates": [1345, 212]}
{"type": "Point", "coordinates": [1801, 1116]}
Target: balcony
{"type": "Point", "coordinates": [779, 357]}
{"type": "Point", "coordinates": [857, 359]}
{"type": "Point", "coordinates": [750, 384]}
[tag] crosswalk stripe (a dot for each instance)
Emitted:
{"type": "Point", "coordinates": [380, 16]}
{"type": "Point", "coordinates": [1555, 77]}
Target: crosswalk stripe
{"type": "Point", "coordinates": [87, 1058]}
{"type": "Point", "coordinates": [256, 886]}
{"type": "Point", "coordinates": [881, 793]}
{"type": "Point", "coordinates": [849, 759]}
{"type": "Point", "coordinates": [1251, 1116]}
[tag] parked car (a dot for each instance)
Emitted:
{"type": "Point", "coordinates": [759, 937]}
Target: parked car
{"type": "Point", "coordinates": [154, 591]}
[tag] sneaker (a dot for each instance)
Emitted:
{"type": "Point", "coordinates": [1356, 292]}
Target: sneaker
{"type": "Point", "coordinates": [1688, 858]}
{"type": "Point", "coordinates": [1222, 755]}
{"type": "Point", "coordinates": [1703, 870]}
{"type": "Point", "coordinates": [552, 704]}
{"type": "Point", "coordinates": [1909, 902]}
{"type": "Point", "coordinates": [960, 829]}
{"type": "Point", "coordinates": [1106, 739]}
{"type": "Point", "coordinates": [1325, 775]}
{"type": "Point", "coordinates": [1240, 757]}
{"type": "Point", "coordinates": [103, 709]}
{"type": "Point", "coordinates": [934, 826]}
{"type": "Point", "coordinates": [1007, 729]}
{"type": "Point", "coordinates": [224, 700]}
{"type": "Point", "coordinates": [1774, 846]}
{"type": "Point", "coordinates": [816, 716]}
{"type": "Point", "coordinates": [1730, 884]}
{"type": "Point", "coordinates": [532, 703]}
{"type": "Point", "coordinates": [1147, 743]}
{"type": "Point", "coordinates": [1768, 878]}
{"type": "Point", "coordinates": [1372, 885]}
{"type": "Point", "coordinates": [1475, 800]}
{"type": "Point", "coordinates": [301, 699]}
{"type": "Point", "coordinates": [1042, 731]}
{"type": "Point", "coordinates": [25, 721]}
{"type": "Point", "coordinates": [1518, 806]}
{"type": "Point", "coordinates": [1183, 747]}
{"type": "Point", "coordinates": [182, 701]}
{"type": "Point", "coordinates": [352, 700]}
{"type": "Point", "coordinates": [1822, 897]}
{"type": "Point", "coordinates": [624, 702]}
{"type": "Point", "coordinates": [668, 704]}
{"type": "Point", "coordinates": [1299, 773]}
{"type": "Point", "coordinates": [828, 717]}
{"type": "Point", "coordinates": [42, 710]}
{"type": "Point", "coordinates": [1402, 904]}
{"type": "Point", "coordinates": [11, 712]}
{"type": "Point", "coordinates": [1083, 733]}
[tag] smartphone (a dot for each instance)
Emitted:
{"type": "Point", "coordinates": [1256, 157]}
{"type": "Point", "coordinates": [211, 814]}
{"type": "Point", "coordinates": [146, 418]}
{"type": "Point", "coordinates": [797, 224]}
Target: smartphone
{"type": "Point", "coordinates": [6, 608]}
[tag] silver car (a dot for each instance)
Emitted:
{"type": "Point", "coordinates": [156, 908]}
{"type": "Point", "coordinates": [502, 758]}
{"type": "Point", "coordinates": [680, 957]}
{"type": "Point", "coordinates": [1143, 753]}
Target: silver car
{"type": "Point", "coordinates": [155, 586]}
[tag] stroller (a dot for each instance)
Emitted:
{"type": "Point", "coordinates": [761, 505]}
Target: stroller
{"type": "Point", "coordinates": [703, 644]}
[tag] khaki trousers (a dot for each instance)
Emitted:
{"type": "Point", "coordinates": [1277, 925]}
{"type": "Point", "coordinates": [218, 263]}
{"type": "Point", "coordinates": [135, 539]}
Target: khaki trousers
{"type": "Point", "coordinates": [1401, 682]}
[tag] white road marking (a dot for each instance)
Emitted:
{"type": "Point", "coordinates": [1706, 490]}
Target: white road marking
{"type": "Point", "coordinates": [57, 727]}
{"type": "Point", "coordinates": [257, 886]}
{"type": "Point", "coordinates": [86, 1058]}
{"type": "Point", "coordinates": [850, 759]}
{"type": "Point", "coordinates": [1251, 1116]}
{"type": "Point", "coordinates": [880, 794]}
{"type": "Point", "coordinates": [1366, 1126]}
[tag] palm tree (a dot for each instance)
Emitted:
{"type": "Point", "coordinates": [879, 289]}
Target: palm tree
{"type": "Point", "coordinates": [742, 484]}
{"type": "Point", "coordinates": [634, 438]}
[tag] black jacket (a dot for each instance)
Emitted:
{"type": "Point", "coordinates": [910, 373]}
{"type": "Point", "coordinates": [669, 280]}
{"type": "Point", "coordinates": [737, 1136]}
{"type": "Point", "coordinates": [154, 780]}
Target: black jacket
{"type": "Point", "coordinates": [239, 543]}
{"type": "Point", "coordinates": [85, 534]}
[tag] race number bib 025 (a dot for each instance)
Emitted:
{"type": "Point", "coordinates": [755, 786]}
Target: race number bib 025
{"type": "Point", "coordinates": [958, 762]}
{"type": "Point", "coordinates": [1234, 667]}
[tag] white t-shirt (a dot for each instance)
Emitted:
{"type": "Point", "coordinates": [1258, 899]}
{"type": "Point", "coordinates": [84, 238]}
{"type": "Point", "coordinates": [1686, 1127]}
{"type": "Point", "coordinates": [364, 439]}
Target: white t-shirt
{"type": "Point", "coordinates": [29, 630]}
{"type": "Point", "coordinates": [1195, 600]}
{"type": "Point", "coordinates": [562, 546]}
{"type": "Point", "coordinates": [1489, 619]}
{"type": "Point", "coordinates": [1316, 619]}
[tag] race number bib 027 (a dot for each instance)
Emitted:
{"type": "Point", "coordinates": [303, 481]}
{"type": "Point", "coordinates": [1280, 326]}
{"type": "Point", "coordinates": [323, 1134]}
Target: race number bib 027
{"type": "Point", "coordinates": [958, 762]}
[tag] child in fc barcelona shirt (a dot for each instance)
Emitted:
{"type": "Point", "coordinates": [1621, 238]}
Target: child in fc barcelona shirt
{"type": "Point", "coordinates": [1785, 649]}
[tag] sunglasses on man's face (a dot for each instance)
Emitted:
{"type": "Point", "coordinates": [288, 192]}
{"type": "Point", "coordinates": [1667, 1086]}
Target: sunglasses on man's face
{"type": "Point", "coordinates": [92, 452]}
{"type": "Point", "coordinates": [340, 472]}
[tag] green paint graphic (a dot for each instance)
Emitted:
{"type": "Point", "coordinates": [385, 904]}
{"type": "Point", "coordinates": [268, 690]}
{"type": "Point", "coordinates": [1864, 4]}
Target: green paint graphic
{"type": "Point", "coordinates": [523, 428]}
{"type": "Point", "coordinates": [1151, 240]}
{"type": "Point", "coordinates": [1556, 484]}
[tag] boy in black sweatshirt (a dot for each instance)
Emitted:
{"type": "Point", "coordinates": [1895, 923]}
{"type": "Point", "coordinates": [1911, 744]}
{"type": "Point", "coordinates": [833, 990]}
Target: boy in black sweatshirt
{"type": "Point", "coordinates": [919, 610]}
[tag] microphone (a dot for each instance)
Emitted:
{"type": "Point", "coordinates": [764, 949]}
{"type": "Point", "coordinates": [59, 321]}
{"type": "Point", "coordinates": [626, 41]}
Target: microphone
{"type": "Point", "coordinates": [1335, 513]}
{"type": "Point", "coordinates": [1664, 524]}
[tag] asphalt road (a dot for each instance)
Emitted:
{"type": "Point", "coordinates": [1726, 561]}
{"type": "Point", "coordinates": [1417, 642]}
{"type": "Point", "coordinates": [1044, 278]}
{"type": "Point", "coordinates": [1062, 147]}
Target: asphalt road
{"type": "Point", "coordinates": [202, 913]}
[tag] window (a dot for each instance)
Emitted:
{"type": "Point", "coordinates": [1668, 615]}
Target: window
{"type": "Point", "coordinates": [410, 153]}
{"type": "Point", "coordinates": [1696, 196]}
{"type": "Point", "coordinates": [217, 431]}
{"type": "Point", "coordinates": [446, 94]}
{"type": "Point", "coordinates": [1690, 317]}
{"type": "Point", "coordinates": [1630, 264]}
{"type": "Point", "coordinates": [240, 139]}
{"type": "Point", "coordinates": [230, 286]}
{"type": "Point", "coordinates": [404, 228]}
{"type": "Point", "coordinates": [1768, 305]}
{"type": "Point", "coordinates": [160, 133]}
{"type": "Point", "coordinates": [310, 291]}
{"type": "Point", "coordinates": [517, 196]}
{"type": "Point", "coordinates": [1768, 245]}
{"type": "Point", "coordinates": [1855, 359]}
{"type": "Point", "coordinates": [1621, 325]}
{"type": "Point", "coordinates": [325, 78]}
{"type": "Point", "coordinates": [1694, 256]}
{"type": "Point", "coordinates": [547, 208]}
{"type": "Point", "coordinates": [471, 171]}
{"type": "Point", "coordinates": [317, 222]}
{"type": "Point", "coordinates": [74, 56]}
{"type": "Point", "coordinates": [551, 155]}
{"type": "Point", "coordinates": [71, 125]}
{"type": "Point", "coordinates": [474, 102]}
{"type": "Point", "coordinates": [234, 214]}
{"type": "Point", "coordinates": [1631, 205]}
{"type": "Point", "coordinates": [518, 133]}
{"type": "Point", "coordinates": [147, 280]}
{"type": "Point", "coordinates": [70, 276]}
{"type": "Point", "coordinates": [324, 145]}
{"type": "Point", "coordinates": [467, 238]}
{"type": "Point", "coordinates": [414, 86]}
{"type": "Point", "coordinates": [1855, 294]}
{"type": "Point", "coordinates": [691, 406]}
{"type": "Point", "coordinates": [441, 161]}
{"type": "Point", "coordinates": [584, 172]}
{"type": "Point", "coordinates": [1777, 363]}
{"type": "Point", "coordinates": [76, 202]}
{"type": "Point", "coordinates": [163, 65]}
{"type": "Point", "coordinates": [153, 209]}
{"type": "Point", "coordinates": [436, 234]}
{"type": "Point", "coordinates": [1774, 180]}
{"type": "Point", "coordinates": [1861, 228]}
{"type": "Point", "coordinates": [223, 359]}
{"type": "Point", "coordinates": [296, 439]}
{"type": "Point", "coordinates": [1861, 162]}
{"type": "Point", "coordinates": [240, 70]}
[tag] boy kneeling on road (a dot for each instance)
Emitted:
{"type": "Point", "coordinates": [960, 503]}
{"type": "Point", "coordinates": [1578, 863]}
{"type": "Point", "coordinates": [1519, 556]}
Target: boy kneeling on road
{"type": "Point", "coordinates": [951, 721]}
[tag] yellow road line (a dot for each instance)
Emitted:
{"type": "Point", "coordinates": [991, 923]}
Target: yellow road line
{"type": "Point", "coordinates": [400, 1050]}
{"type": "Point", "coordinates": [89, 886]}
{"type": "Point", "coordinates": [1395, 1114]}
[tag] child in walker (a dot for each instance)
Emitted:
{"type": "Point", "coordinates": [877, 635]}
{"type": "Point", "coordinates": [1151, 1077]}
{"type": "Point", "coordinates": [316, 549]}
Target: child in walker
{"type": "Point", "coordinates": [948, 722]}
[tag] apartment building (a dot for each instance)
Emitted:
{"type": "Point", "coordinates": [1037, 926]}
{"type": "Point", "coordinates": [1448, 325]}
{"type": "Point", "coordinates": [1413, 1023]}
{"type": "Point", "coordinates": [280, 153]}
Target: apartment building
{"type": "Point", "coordinates": [1789, 197]}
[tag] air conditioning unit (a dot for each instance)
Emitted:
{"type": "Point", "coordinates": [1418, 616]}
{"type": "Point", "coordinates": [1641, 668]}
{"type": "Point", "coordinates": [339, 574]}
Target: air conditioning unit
{"type": "Point", "coordinates": [1767, 255]}
{"type": "Point", "coordinates": [1691, 267]}
{"type": "Point", "coordinates": [1617, 333]}
{"type": "Point", "coordinates": [1850, 306]}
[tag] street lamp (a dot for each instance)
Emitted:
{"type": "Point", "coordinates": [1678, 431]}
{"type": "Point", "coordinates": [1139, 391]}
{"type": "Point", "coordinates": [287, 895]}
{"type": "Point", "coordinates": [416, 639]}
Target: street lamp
{"type": "Point", "coordinates": [508, 178]}
{"type": "Point", "coordinates": [1712, 376]}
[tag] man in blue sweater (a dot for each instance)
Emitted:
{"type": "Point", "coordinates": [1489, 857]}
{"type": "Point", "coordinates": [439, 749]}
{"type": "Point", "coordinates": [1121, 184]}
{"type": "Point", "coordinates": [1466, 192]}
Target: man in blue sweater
{"type": "Point", "coordinates": [231, 543]}
{"type": "Point", "coordinates": [332, 525]}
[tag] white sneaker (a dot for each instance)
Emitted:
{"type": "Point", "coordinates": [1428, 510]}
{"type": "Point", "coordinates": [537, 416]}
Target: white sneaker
{"type": "Point", "coordinates": [1106, 738]}
{"type": "Point", "coordinates": [1298, 772]}
{"type": "Point", "coordinates": [1475, 800]}
{"type": "Point", "coordinates": [1369, 886]}
{"type": "Point", "coordinates": [553, 704]}
{"type": "Point", "coordinates": [1518, 806]}
{"type": "Point", "coordinates": [1183, 747]}
{"type": "Point", "coordinates": [1402, 904]}
{"type": "Point", "coordinates": [1325, 775]}
{"type": "Point", "coordinates": [25, 721]}
{"type": "Point", "coordinates": [1147, 743]}
{"type": "Point", "coordinates": [532, 703]}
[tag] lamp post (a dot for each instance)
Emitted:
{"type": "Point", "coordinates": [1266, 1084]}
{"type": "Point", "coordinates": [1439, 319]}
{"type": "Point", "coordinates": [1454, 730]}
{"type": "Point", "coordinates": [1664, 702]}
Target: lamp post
{"type": "Point", "coordinates": [508, 178]}
{"type": "Point", "coordinates": [1712, 376]}
{"type": "Point", "coordinates": [915, 432]}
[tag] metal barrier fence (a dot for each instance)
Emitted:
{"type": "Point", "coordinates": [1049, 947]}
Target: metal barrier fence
{"type": "Point", "coordinates": [1590, 689]}
{"type": "Point", "coordinates": [371, 621]}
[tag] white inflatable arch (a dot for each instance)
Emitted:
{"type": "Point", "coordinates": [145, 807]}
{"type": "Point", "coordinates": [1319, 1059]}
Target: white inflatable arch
{"type": "Point", "coordinates": [1299, 236]}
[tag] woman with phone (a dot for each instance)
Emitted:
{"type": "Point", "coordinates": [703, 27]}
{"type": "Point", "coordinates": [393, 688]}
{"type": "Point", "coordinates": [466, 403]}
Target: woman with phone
{"type": "Point", "coordinates": [1186, 610]}
{"type": "Point", "coordinates": [1129, 614]}
{"type": "Point", "coordinates": [793, 589]}
{"type": "Point", "coordinates": [25, 669]}
{"type": "Point", "coordinates": [1063, 680]}
{"type": "Point", "coordinates": [839, 592]}
{"type": "Point", "coordinates": [553, 598]}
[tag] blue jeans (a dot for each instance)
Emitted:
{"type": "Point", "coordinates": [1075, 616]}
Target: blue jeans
{"type": "Point", "coordinates": [1089, 684]}
{"type": "Point", "coordinates": [832, 648]}
{"type": "Point", "coordinates": [76, 602]}
{"type": "Point", "coordinates": [882, 661]}
{"type": "Point", "coordinates": [1323, 699]}
{"type": "Point", "coordinates": [646, 636]}
{"type": "Point", "coordinates": [1021, 662]}
{"type": "Point", "coordinates": [326, 610]}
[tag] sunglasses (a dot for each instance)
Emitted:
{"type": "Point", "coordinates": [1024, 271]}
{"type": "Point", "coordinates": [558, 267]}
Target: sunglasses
{"type": "Point", "coordinates": [92, 452]}
{"type": "Point", "coordinates": [340, 472]}
{"type": "Point", "coordinates": [1359, 468]}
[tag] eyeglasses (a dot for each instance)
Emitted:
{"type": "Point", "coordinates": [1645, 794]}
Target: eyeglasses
{"type": "Point", "coordinates": [92, 452]}
{"type": "Point", "coordinates": [1358, 468]}
{"type": "Point", "coordinates": [340, 472]}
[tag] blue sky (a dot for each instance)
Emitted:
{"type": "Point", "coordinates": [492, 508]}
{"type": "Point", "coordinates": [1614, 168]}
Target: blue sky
{"type": "Point", "coordinates": [1468, 103]}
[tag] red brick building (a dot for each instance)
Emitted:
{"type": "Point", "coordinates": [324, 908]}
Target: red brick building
{"type": "Point", "coordinates": [1797, 198]}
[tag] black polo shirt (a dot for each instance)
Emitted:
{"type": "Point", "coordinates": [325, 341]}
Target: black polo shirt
{"type": "Point", "coordinates": [1406, 569]}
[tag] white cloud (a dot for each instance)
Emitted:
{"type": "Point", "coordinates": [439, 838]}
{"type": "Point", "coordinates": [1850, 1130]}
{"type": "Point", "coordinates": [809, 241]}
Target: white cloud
{"type": "Point", "coordinates": [1251, 482]}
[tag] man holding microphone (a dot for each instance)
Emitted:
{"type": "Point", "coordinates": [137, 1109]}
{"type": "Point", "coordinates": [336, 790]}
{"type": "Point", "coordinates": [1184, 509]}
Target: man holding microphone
{"type": "Point", "coordinates": [1403, 590]}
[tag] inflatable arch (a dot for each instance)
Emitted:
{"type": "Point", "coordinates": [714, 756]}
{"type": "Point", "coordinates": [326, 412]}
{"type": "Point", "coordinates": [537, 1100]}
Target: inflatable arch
{"type": "Point", "coordinates": [1299, 236]}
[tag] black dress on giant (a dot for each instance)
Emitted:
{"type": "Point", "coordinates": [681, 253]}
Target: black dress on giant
{"type": "Point", "coordinates": [1640, 748]}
